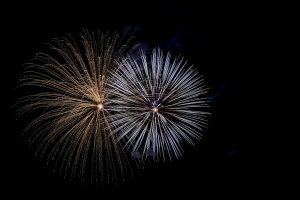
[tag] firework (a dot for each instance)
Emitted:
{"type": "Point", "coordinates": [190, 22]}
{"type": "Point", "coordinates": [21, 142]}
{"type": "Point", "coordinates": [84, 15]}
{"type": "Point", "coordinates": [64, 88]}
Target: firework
{"type": "Point", "coordinates": [158, 104]}
{"type": "Point", "coordinates": [71, 128]}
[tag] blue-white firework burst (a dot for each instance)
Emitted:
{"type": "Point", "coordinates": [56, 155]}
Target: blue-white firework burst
{"type": "Point", "coordinates": [158, 104]}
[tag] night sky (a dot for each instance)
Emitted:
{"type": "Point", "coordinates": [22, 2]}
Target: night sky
{"type": "Point", "coordinates": [218, 40]}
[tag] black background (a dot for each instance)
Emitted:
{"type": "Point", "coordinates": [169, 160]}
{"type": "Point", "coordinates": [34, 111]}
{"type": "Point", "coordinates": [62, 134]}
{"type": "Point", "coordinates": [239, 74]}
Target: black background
{"type": "Point", "coordinates": [221, 40]}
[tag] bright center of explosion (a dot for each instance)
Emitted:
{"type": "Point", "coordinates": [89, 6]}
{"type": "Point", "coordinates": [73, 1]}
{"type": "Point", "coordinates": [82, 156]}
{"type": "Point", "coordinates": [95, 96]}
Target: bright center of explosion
{"type": "Point", "coordinates": [155, 109]}
{"type": "Point", "coordinates": [100, 106]}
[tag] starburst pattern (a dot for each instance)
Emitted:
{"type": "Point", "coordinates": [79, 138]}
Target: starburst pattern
{"type": "Point", "coordinates": [158, 104]}
{"type": "Point", "coordinates": [72, 129]}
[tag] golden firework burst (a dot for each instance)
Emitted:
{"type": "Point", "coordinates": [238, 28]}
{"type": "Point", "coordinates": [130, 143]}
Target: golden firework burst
{"type": "Point", "coordinates": [72, 129]}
